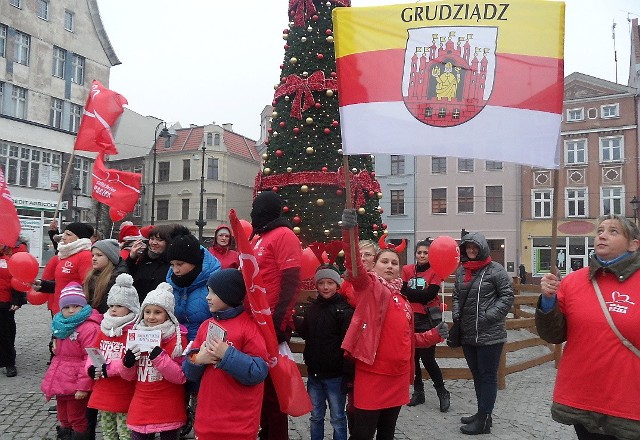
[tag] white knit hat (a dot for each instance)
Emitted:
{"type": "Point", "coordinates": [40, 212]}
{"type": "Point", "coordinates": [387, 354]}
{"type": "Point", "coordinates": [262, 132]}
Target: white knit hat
{"type": "Point", "coordinates": [122, 293]}
{"type": "Point", "coordinates": [162, 296]}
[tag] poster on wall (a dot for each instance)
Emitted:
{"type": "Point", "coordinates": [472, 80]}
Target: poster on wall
{"type": "Point", "coordinates": [32, 229]}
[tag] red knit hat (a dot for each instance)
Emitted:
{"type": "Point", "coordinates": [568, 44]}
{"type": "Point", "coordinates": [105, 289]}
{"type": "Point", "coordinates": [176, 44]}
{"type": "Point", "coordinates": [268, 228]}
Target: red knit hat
{"type": "Point", "coordinates": [129, 233]}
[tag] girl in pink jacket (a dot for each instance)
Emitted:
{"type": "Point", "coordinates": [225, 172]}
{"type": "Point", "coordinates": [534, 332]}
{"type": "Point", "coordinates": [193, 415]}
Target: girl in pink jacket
{"type": "Point", "coordinates": [74, 327]}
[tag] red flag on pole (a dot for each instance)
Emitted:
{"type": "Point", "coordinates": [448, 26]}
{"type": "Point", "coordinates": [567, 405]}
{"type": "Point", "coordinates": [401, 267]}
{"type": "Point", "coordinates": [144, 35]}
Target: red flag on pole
{"type": "Point", "coordinates": [101, 112]}
{"type": "Point", "coordinates": [292, 395]}
{"type": "Point", "coordinates": [8, 216]}
{"type": "Point", "coordinates": [120, 190]}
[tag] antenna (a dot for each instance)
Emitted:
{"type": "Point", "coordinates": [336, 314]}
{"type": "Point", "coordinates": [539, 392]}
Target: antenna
{"type": "Point", "coordinates": [615, 53]}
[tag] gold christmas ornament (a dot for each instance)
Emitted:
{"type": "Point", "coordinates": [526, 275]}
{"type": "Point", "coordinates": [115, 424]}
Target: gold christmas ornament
{"type": "Point", "coordinates": [329, 93]}
{"type": "Point", "coordinates": [285, 36]}
{"type": "Point", "coordinates": [379, 195]}
{"type": "Point", "coordinates": [305, 74]}
{"type": "Point", "coordinates": [380, 209]}
{"type": "Point", "coordinates": [296, 230]}
{"type": "Point", "coordinates": [293, 60]}
{"type": "Point", "coordinates": [327, 232]}
{"type": "Point", "coordinates": [330, 39]}
{"type": "Point", "coordinates": [354, 170]}
{"type": "Point", "coordinates": [275, 86]}
{"type": "Point", "coordinates": [320, 202]}
{"type": "Point", "coordinates": [309, 121]}
{"type": "Point", "coordinates": [265, 156]}
{"type": "Point", "coordinates": [304, 188]}
{"type": "Point", "coordinates": [289, 169]}
{"type": "Point", "coordinates": [375, 233]}
{"type": "Point", "coordinates": [274, 114]}
{"type": "Point", "coordinates": [361, 211]}
{"type": "Point", "coordinates": [310, 150]}
{"type": "Point", "coordinates": [339, 150]}
{"type": "Point", "coordinates": [303, 39]}
{"type": "Point", "coordinates": [341, 253]}
{"type": "Point", "coordinates": [274, 134]}
{"type": "Point", "coordinates": [309, 29]}
{"type": "Point", "coordinates": [267, 171]}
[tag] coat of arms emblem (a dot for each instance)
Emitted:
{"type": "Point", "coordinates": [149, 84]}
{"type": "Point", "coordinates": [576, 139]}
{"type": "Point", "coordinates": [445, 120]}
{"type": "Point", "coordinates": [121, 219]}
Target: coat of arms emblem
{"type": "Point", "coordinates": [448, 73]}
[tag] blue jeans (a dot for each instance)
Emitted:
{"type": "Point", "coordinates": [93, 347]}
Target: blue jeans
{"type": "Point", "coordinates": [322, 391]}
{"type": "Point", "coordinates": [483, 361]}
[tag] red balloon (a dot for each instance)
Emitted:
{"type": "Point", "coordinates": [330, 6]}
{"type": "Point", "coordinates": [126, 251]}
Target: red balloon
{"type": "Point", "coordinates": [246, 227]}
{"type": "Point", "coordinates": [37, 298]}
{"type": "Point", "coordinates": [24, 267]}
{"type": "Point", "coordinates": [20, 286]}
{"type": "Point", "coordinates": [444, 256]}
{"type": "Point", "coordinates": [309, 264]}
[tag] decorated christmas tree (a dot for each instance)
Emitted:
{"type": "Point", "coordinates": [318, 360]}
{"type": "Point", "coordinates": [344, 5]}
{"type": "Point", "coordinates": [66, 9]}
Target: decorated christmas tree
{"type": "Point", "coordinates": [304, 160]}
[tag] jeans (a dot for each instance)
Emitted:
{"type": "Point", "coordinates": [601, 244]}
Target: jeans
{"type": "Point", "coordinates": [483, 361]}
{"type": "Point", "coordinates": [322, 391]}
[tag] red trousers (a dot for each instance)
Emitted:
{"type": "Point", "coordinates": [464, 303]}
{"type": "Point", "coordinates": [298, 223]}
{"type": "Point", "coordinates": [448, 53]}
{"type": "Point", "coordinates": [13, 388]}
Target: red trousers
{"type": "Point", "coordinates": [72, 413]}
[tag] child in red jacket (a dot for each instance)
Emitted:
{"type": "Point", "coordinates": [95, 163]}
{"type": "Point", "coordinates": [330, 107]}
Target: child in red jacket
{"type": "Point", "coordinates": [112, 394]}
{"type": "Point", "coordinates": [74, 327]}
{"type": "Point", "coordinates": [157, 406]}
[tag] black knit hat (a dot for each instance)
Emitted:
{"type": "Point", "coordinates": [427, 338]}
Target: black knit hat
{"type": "Point", "coordinates": [81, 230]}
{"type": "Point", "coordinates": [228, 285]}
{"type": "Point", "coordinates": [185, 247]}
{"type": "Point", "coordinates": [266, 207]}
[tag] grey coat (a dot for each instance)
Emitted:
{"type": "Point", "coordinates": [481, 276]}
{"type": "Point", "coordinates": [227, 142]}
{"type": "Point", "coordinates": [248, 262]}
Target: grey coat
{"type": "Point", "coordinates": [489, 298]}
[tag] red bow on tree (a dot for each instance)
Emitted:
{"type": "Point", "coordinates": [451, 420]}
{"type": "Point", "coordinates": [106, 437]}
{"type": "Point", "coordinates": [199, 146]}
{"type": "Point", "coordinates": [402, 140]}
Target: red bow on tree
{"type": "Point", "coordinates": [300, 10]}
{"type": "Point", "coordinates": [303, 89]}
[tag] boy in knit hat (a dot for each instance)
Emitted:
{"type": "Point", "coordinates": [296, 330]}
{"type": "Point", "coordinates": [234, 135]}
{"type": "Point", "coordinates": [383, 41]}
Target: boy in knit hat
{"type": "Point", "coordinates": [160, 382]}
{"type": "Point", "coordinates": [231, 342]}
{"type": "Point", "coordinates": [323, 327]}
{"type": "Point", "coordinates": [74, 328]}
{"type": "Point", "coordinates": [112, 394]}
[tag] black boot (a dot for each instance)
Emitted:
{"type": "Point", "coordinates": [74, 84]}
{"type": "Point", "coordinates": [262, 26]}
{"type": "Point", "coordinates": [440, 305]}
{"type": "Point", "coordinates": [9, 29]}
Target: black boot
{"type": "Point", "coordinates": [481, 425]}
{"type": "Point", "coordinates": [63, 433]}
{"type": "Point", "coordinates": [468, 419]}
{"type": "Point", "coordinates": [417, 398]}
{"type": "Point", "coordinates": [445, 398]}
{"type": "Point", "coordinates": [75, 435]}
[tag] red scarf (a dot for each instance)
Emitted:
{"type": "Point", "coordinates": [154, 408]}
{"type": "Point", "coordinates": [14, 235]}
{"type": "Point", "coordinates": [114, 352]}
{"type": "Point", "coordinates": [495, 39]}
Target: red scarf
{"type": "Point", "coordinates": [471, 266]}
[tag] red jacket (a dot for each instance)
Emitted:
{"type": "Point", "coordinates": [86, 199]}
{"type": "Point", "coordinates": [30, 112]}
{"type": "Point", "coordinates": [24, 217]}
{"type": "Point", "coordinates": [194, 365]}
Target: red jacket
{"type": "Point", "coordinates": [64, 271]}
{"type": "Point", "coordinates": [229, 259]}
{"type": "Point", "coordinates": [113, 393]}
{"type": "Point", "coordinates": [6, 294]}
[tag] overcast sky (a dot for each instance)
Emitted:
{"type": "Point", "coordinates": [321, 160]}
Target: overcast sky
{"type": "Point", "coordinates": [200, 61]}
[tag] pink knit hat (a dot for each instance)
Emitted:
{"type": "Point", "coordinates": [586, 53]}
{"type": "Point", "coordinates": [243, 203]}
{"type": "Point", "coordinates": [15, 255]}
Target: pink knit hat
{"type": "Point", "coordinates": [72, 295]}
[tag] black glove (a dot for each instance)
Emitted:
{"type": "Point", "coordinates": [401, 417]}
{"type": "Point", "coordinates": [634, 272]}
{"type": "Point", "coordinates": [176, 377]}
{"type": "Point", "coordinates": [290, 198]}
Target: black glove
{"type": "Point", "coordinates": [91, 371]}
{"type": "Point", "coordinates": [349, 219]}
{"type": "Point", "coordinates": [346, 386]}
{"type": "Point", "coordinates": [129, 359]}
{"type": "Point", "coordinates": [443, 329]}
{"type": "Point", "coordinates": [104, 371]}
{"type": "Point", "coordinates": [155, 352]}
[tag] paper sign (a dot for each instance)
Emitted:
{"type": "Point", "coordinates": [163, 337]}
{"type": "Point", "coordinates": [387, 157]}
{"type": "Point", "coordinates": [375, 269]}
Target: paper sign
{"type": "Point", "coordinates": [216, 331]}
{"type": "Point", "coordinates": [96, 356]}
{"type": "Point", "coordinates": [145, 339]}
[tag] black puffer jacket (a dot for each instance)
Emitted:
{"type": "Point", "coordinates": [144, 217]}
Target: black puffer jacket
{"type": "Point", "coordinates": [147, 273]}
{"type": "Point", "coordinates": [489, 298]}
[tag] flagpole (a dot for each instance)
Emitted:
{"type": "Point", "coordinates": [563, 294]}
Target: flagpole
{"type": "Point", "coordinates": [349, 205]}
{"type": "Point", "coordinates": [64, 184]}
{"type": "Point", "coordinates": [554, 224]}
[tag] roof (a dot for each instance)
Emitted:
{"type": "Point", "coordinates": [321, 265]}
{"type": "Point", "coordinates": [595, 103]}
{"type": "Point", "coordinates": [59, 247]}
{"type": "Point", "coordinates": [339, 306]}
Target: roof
{"type": "Point", "coordinates": [191, 138]}
{"type": "Point", "coordinates": [94, 12]}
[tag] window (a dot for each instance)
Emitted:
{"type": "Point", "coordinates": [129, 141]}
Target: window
{"type": "Point", "coordinates": [186, 169]}
{"type": "Point", "coordinates": [542, 204]}
{"type": "Point", "coordinates": [75, 115]}
{"type": "Point", "coordinates": [16, 3]}
{"type": "Point", "coordinates": [216, 139]}
{"type": "Point", "coordinates": [438, 200]}
{"type": "Point", "coordinates": [493, 198]}
{"type": "Point", "coordinates": [77, 69]}
{"type": "Point", "coordinates": [465, 165]}
{"type": "Point", "coordinates": [68, 20]}
{"type": "Point", "coordinates": [162, 210]}
{"type": "Point", "coordinates": [576, 204]}
{"type": "Point", "coordinates": [209, 139]}
{"type": "Point", "coordinates": [59, 56]}
{"type": "Point", "coordinates": [55, 114]}
{"type": "Point", "coordinates": [438, 165]}
{"type": "Point", "coordinates": [611, 200]}
{"type": "Point", "coordinates": [21, 48]}
{"type": "Point", "coordinates": [611, 149]}
{"type": "Point", "coordinates": [43, 9]}
{"type": "Point", "coordinates": [212, 169]}
{"type": "Point", "coordinates": [492, 165]}
{"type": "Point", "coordinates": [397, 202]}
{"type": "Point", "coordinates": [397, 165]}
{"type": "Point", "coordinates": [3, 40]}
{"type": "Point", "coordinates": [465, 199]}
{"type": "Point", "coordinates": [575, 152]}
{"type": "Point", "coordinates": [610, 111]}
{"type": "Point", "coordinates": [81, 175]}
{"type": "Point", "coordinates": [575, 114]}
{"type": "Point", "coordinates": [212, 209]}
{"type": "Point", "coordinates": [1, 98]}
{"type": "Point", "coordinates": [137, 210]}
{"type": "Point", "coordinates": [185, 209]}
{"type": "Point", "coordinates": [163, 171]}
{"type": "Point", "coordinates": [19, 101]}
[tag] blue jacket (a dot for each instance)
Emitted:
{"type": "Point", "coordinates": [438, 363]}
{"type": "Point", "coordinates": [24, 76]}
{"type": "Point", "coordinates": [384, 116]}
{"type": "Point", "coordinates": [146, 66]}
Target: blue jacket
{"type": "Point", "coordinates": [191, 306]}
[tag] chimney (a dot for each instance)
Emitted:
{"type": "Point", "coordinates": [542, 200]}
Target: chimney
{"type": "Point", "coordinates": [228, 126]}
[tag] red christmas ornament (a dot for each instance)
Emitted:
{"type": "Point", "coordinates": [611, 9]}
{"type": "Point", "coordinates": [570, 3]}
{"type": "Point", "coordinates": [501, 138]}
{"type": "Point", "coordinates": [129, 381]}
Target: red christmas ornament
{"type": "Point", "coordinates": [326, 131]}
{"type": "Point", "coordinates": [384, 226]}
{"type": "Point", "coordinates": [282, 123]}
{"type": "Point", "coordinates": [274, 189]}
{"type": "Point", "coordinates": [334, 74]}
{"type": "Point", "coordinates": [315, 18]}
{"type": "Point", "coordinates": [373, 174]}
{"type": "Point", "coordinates": [279, 153]}
{"type": "Point", "coordinates": [266, 142]}
{"type": "Point", "coordinates": [335, 123]}
{"type": "Point", "coordinates": [317, 105]}
{"type": "Point", "coordinates": [381, 210]}
{"type": "Point", "coordinates": [296, 130]}
{"type": "Point", "coordinates": [371, 194]}
{"type": "Point", "coordinates": [273, 103]}
{"type": "Point", "coordinates": [270, 130]}
{"type": "Point", "coordinates": [339, 192]}
{"type": "Point", "coordinates": [281, 66]}
{"type": "Point", "coordinates": [328, 32]}
{"type": "Point", "coordinates": [285, 31]}
{"type": "Point", "coordinates": [320, 56]}
{"type": "Point", "coordinates": [285, 209]}
{"type": "Point", "coordinates": [374, 227]}
{"type": "Point", "coordinates": [325, 169]}
{"type": "Point", "coordinates": [286, 46]}
{"type": "Point", "coordinates": [296, 220]}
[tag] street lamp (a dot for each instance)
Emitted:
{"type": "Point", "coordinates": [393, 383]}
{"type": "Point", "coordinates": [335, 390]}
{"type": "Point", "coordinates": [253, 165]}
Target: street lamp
{"type": "Point", "coordinates": [164, 133]}
{"type": "Point", "coordinates": [201, 221]}
{"type": "Point", "coordinates": [76, 193]}
{"type": "Point", "coordinates": [635, 202]}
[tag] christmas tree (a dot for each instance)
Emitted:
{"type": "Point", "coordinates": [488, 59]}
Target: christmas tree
{"type": "Point", "coordinates": [304, 159]}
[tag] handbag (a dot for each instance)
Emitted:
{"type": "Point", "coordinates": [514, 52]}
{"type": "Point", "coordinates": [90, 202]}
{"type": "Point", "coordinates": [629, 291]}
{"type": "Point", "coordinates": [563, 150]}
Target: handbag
{"type": "Point", "coordinates": [455, 332]}
{"type": "Point", "coordinates": [607, 315]}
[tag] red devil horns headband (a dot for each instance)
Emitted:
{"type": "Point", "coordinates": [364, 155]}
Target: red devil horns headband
{"type": "Point", "coordinates": [384, 245]}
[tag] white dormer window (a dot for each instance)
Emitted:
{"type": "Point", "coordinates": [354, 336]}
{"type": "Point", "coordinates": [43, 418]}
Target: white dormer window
{"type": "Point", "coordinates": [575, 114]}
{"type": "Point", "coordinates": [610, 111]}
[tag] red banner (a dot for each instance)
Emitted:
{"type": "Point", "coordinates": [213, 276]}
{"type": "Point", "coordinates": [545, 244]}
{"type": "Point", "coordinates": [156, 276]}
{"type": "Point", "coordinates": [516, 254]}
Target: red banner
{"type": "Point", "coordinates": [120, 190]}
{"type": "Point", "coordinates": [292, 395]}
{"type": "Point", "coordinates": [8, 216]}
{"type": "Point", "coordinates": [101, 112]}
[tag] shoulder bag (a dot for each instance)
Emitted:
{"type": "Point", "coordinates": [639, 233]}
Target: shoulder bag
{"type": "Point", "coordinates": [455, 333]}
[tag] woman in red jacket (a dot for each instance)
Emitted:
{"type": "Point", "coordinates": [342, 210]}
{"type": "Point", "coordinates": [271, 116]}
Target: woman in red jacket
{"type": "Point", "coordinates": [223, 249]}
{"type": "Point", "coordinates": [381, 341]}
